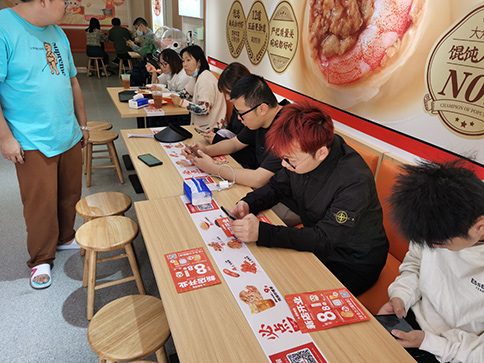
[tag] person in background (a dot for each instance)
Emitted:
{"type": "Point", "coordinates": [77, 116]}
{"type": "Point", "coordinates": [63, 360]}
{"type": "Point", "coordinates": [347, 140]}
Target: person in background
{"type": "Point", "coordinates": [440, 290]}
{"type": "Point", "coordinates": [230, 75]}
{"type": "Point", "coordinates": [139, 74]}
{"type": "Point", "coordinates": [330, 187]}
{"type": "Point", "coordinates": [201, 96]}
{"type": "Point", "coordinates": [95, 39]}
{"type": "Point", "coordinates": [119, 35]}
{"type": "Point", "coordinates": [256, 107]}
{"type": "Point", "coordinates": [142, 30]}
{"type": "Point", "coordinates": [172, 75]}
{"type": "Point", "coordinates": [44, 139]}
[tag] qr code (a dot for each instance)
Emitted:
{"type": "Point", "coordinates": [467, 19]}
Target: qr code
{"type": "Point", "coordinates": [301, 356]}
{"type": "Point", "coordinates": [205, 207]}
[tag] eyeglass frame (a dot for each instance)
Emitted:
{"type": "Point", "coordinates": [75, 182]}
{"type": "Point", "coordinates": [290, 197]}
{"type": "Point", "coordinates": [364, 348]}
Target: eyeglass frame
{"type": "Point", "coordinates": [66, 4]}
{"type": "Point", "coordinates": [241, 115]}
{"type": "Point", "coordinates": [286, 160]}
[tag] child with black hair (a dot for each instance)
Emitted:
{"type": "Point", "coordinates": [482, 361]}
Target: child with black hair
{"type": "Point", "coordinates": [440, 209]}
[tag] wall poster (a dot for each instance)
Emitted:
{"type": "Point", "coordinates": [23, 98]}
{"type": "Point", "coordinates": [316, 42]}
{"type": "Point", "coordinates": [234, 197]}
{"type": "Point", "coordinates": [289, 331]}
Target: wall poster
{"type": "Point", "coordinates": [379, 63]}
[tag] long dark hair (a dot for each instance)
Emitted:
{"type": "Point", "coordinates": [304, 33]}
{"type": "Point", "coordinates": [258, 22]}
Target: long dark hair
{"type": "Point", "coordinates": [93, 24]}
{"type": "Point", "coordinates": [173, 59]}
{"type": "Point", "coordinates": [196, 52]}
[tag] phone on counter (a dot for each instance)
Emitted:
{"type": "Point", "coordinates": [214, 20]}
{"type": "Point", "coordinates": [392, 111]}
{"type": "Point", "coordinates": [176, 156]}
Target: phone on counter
{"type": "Point", "coordinates": [227, 213]}
{"type": "Point", "coordinates": [149, 160]}
{"type": "Point", "coordinates": [392, 321]}
{"type": "Point", "coordinates": [199, 131]}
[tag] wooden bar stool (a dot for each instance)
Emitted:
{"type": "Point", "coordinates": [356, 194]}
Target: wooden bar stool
{"type": "Point", "coordinates": [95, 67]}
{"type": "Point", "coordinates": [102, 235]}
{"type": "Point", "coordinates": [102, 138]}
{"type": "Point", "coordinates": [129, 328]}
{"type": "Point", "coordinates": [123, 68]}
{"type": "Point", "coordinates": [102, 205]}
{"type": "Point", "coordinates": [95, 125]}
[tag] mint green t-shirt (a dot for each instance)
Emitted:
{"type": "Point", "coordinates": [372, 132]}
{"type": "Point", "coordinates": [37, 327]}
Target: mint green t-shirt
{"type": "Point", "coordinates": [36, 68]}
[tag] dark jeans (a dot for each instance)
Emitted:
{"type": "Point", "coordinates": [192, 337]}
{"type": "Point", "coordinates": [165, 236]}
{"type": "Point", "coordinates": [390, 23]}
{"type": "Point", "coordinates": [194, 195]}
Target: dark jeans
{"type": "Point", "coordinates": [93, 51]}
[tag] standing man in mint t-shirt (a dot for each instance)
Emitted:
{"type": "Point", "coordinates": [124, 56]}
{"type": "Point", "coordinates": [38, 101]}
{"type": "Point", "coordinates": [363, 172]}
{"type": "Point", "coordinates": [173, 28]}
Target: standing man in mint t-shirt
{"type": "Point", "coordinates": [42, 127]}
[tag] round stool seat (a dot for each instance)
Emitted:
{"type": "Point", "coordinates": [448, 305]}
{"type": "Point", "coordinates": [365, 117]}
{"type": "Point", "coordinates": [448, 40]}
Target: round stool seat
{"type": "Point", "coordinates": [132, 327]}
{"type": "Point", "coordinates": [100, 125]}
{"type": "Point", "coordinates": [103, 204]}
{"type": "Point", "coordinates": [107, 233]}
{"type": "Point", "coordinates": [102, 136]}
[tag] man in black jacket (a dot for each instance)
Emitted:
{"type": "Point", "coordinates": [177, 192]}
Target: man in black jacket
{"type": "Point", "coordinates": [331, 188]}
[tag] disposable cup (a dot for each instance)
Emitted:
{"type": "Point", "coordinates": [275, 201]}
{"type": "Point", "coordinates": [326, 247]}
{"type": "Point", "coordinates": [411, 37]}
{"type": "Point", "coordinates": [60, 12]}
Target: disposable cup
{"type": "Point", "coordinates": [158, 98]}
{"type": "Point", "coordinates": [126, 80]}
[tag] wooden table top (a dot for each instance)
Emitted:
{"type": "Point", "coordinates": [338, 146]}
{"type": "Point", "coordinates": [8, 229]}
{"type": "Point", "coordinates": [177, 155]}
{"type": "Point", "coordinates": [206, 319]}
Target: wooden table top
{"type": "Point", "coordinates": [207, 324]}
{"type": "Point", "coordinates": [163, 180]}
{"type": "Point", "coordinates": [126, 112]}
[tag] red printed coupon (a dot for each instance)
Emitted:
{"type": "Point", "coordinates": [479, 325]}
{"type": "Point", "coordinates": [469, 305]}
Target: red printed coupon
{"type": "Point", "coordinates": [191, 270]}
{"type": "Point", "coordinates": [320, 310]}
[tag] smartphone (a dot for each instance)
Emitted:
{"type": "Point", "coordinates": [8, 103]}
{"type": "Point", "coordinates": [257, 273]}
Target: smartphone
{"type": "Point", "coordinates": [392, 321]}
{"type": "Point", "coordinates": [199, 131]}
{"type": "Point", "coordinates": [227, 213]}
{"type": "Point", "coordinates": [149, 160]}
{"type": "Point", "coordinates": [193, 151]}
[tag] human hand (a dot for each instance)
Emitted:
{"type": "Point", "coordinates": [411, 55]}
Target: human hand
{"type": "Point", "coordinates": [412, 339]}
{"type": "Point", "coordinates": [247, 228]}
{"type": "Point", "coordinates": [394, 306]}
{"type": "Point", "coordinates": [209, 136]}
{"type": "Point", "coordinates": [190, 150]}
{"type": "Point", "coordinates": [150, 68]}
{"type": "Point", "coordinates": [204, 162]}
{"type": "Point", "coordinates": [240, 210]}
{"type": "Point", "coordinates": [85, 138]}
{"type": "Point", "coordinates": [176, 100]}
{"type": "Point", "coordinates": [130, 43]}
{"type": "Point", "coordinates": [11, 150]}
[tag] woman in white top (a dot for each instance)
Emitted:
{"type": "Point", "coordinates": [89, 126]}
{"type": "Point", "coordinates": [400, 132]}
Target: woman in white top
{"type": "Point", "coordinates": [201, 95]}
{"type": "Point", "coordinates": [172, 75]}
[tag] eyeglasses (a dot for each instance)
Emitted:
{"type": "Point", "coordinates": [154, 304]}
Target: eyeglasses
{"type": "Point", "coordinates": [296, 165]}
{"type": "Point", "coordinates": [241, 115]}
{"type": "Point", "coordinates": [66, 3]}
{"type": "Point", "coordinates": [164, 64]}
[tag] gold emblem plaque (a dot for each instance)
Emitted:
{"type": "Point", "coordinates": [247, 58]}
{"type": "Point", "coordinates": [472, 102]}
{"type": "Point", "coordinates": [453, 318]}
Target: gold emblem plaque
{"type": "Point", "coordinates": [454, 76]}
{"type": "Point", "coordinates": [235, 29]}
{"type": "Point", "coordinates": [283, 37]}
{"type": "Point", "coordinates": [257, 32]}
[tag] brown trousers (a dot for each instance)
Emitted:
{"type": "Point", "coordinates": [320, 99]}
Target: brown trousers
{"type": "Point", "coordinates": [50, 189]}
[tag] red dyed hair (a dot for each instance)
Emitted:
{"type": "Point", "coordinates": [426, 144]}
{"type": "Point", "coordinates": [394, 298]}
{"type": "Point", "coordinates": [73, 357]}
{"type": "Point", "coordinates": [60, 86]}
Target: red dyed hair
{"type": "Point", "coordinates": [304, 124]}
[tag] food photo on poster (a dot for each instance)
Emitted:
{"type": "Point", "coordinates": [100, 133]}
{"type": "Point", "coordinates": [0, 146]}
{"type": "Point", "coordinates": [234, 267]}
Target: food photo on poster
{"type": "Point", "coordinates": [367, 60]}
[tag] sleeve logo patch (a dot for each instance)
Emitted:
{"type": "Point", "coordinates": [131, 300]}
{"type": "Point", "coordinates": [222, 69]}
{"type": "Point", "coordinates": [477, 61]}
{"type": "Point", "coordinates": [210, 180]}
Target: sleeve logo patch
{"type": "Point", "coordinates": [341, 217]}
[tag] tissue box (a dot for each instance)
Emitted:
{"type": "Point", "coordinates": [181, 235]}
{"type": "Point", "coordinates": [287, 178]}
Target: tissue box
{"type": "Point", "coordinates": [197, 192]}
{"type": "Point", "coordinates": [138, 103]}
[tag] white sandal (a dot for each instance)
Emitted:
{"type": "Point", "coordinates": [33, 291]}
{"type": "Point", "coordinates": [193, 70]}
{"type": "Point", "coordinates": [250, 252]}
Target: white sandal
{"type": "Point", "coordinates": [42, 269]}
{"type": "Point", "coordinates": [71, 246]}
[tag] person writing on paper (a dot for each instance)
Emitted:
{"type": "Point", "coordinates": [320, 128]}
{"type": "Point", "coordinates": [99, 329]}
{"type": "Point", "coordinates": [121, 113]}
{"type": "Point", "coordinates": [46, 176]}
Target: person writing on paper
{"type": "Point", "coordinates": [201, 96]}
{"type": "Point", "coordinates": [330, 187]}
{"type": "Point", "coordinates": [43, 140]}
{"type": "Point", "coordinates": [440, 290]}
{"type": "Point", "coordinates": [256, 107]}
{"type": "Point", "coordinates": [172, 75]}
{"type": "Point", "coordinates": [245, 157]}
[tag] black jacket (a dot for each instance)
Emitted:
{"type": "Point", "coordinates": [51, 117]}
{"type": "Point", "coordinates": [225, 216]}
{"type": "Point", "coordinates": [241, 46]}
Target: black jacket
{"type": "Point", "coordinates": [340, 211]}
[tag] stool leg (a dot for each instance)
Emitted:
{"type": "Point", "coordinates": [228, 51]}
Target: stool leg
{"type": "Point", "coordinates": [134, 268]}
{"type": "Point", "coordinates": [97, 69]}
{"type": "Point", "coordinates": [114, 157]}
{"type": "Point", "coordinates": [161, 356]}
{"type": "Point", "coordinates": [89, 164]}
{"type": "Point", "coordinates": [120, 68]}
{"type": "Point", "coordinates": [85, 274]}
{"type": "Point", "coordinates": [104, 68]}
{"type": "Point", "coordinates": [88, 67]}
{"type": "Point", "coordinates": [91, 283]}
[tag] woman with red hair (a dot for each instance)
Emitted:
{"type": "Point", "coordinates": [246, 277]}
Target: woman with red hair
{"type": "Point", "coordinates": [330, 187]}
